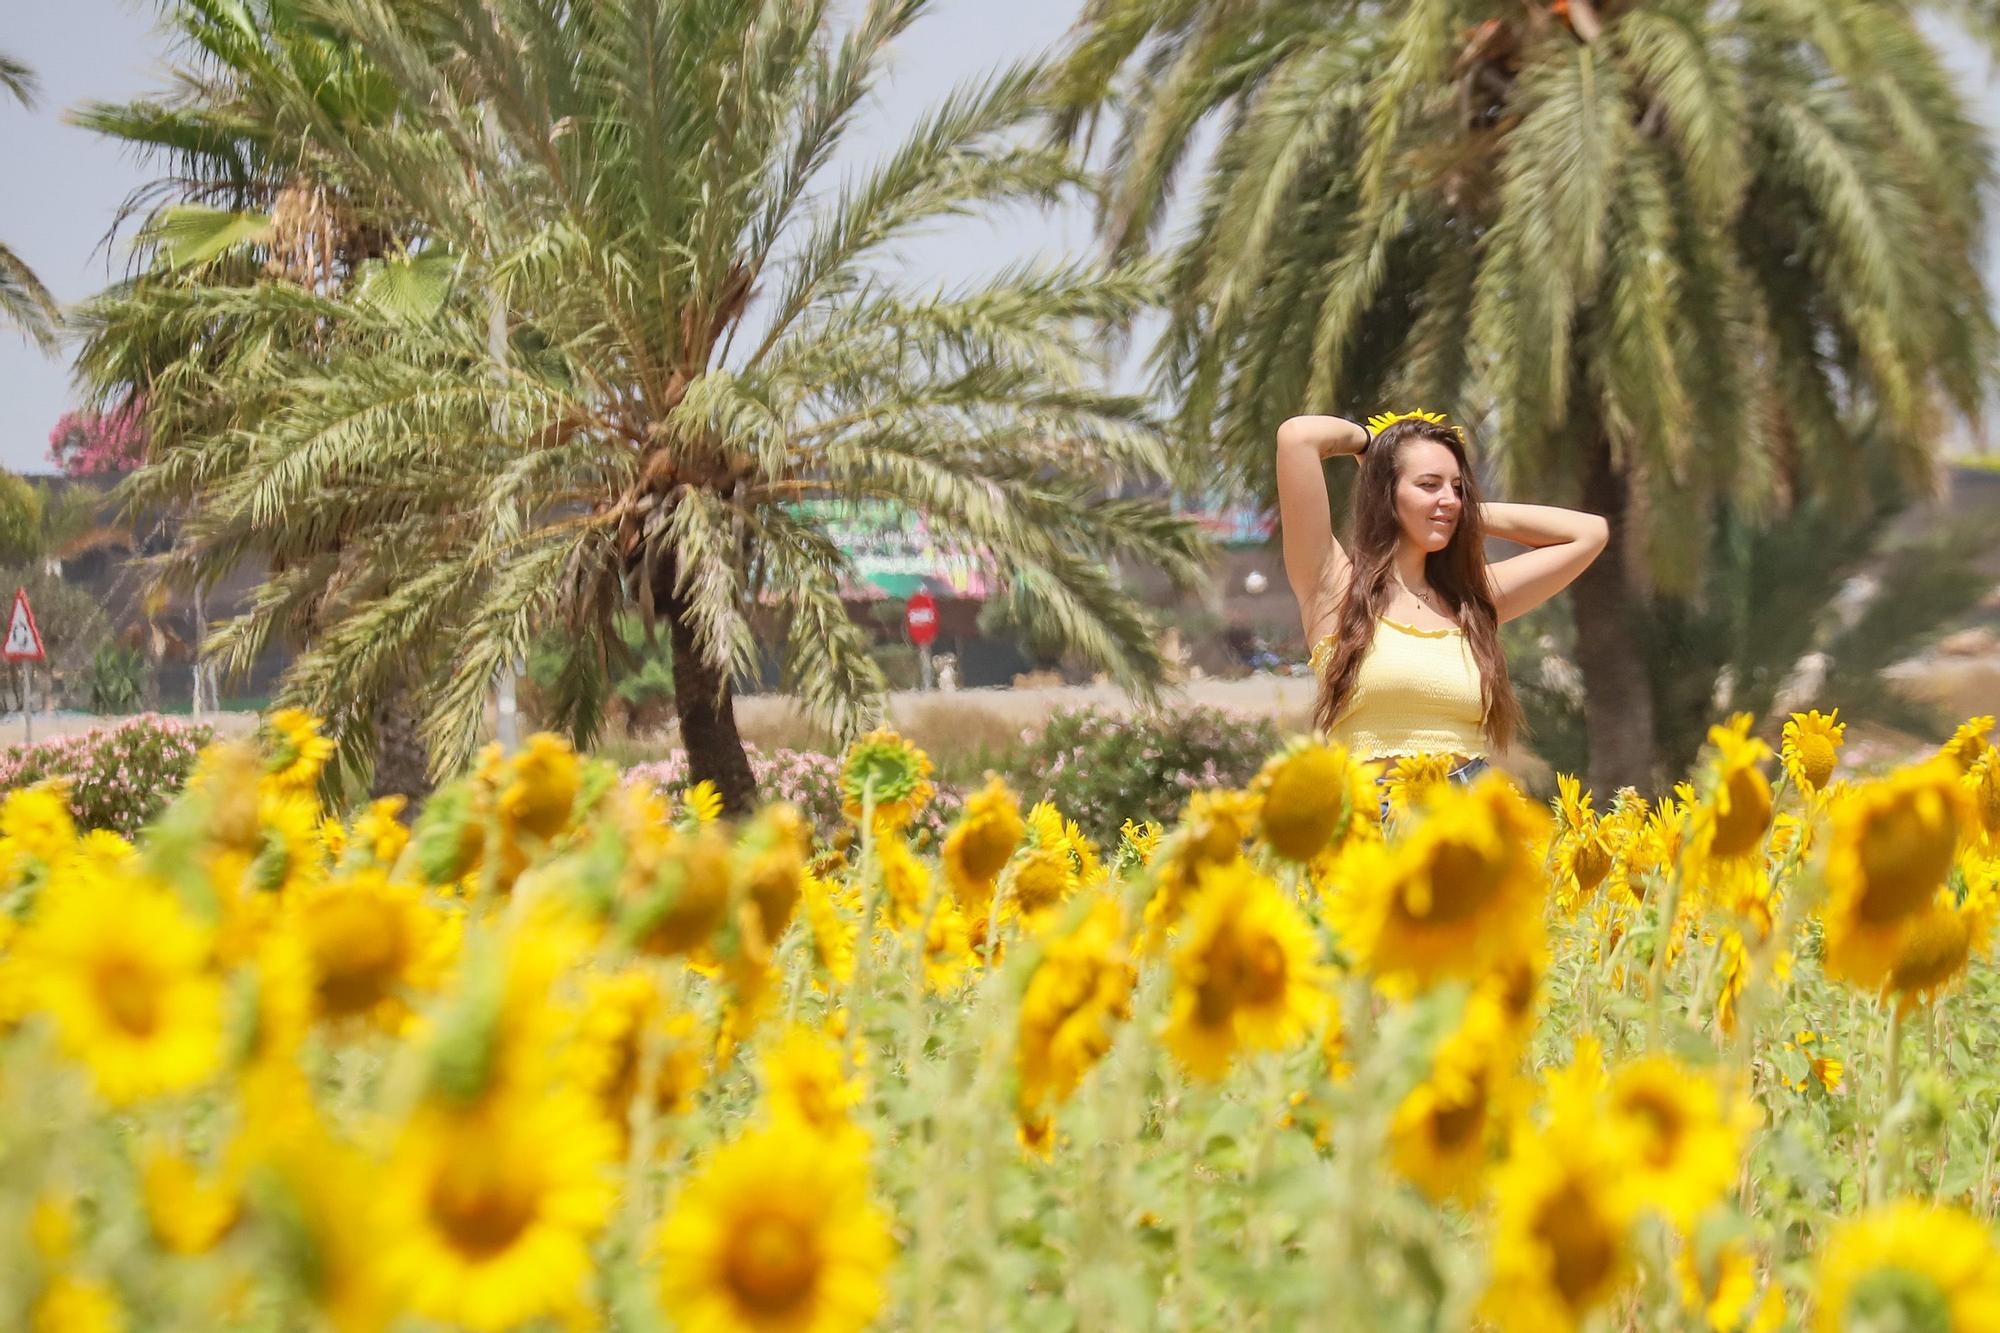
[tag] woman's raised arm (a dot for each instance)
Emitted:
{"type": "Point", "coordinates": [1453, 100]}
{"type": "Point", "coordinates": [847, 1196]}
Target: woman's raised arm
{"type": "Point", "coordinates": [1565, 543]}
{"type": "Point", "coordinates": [1315, 565]}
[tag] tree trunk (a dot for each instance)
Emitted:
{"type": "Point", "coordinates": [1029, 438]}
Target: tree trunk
{"type": "Point", "coordinates": [706, 707]}
{"type": "Point", "coordinates": [402, 761]}
{"type": "Point", "coordinates": [1617, 688]}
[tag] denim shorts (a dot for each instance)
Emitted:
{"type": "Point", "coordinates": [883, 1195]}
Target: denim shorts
{"type": "Point", "coordinates": [1464, 775]}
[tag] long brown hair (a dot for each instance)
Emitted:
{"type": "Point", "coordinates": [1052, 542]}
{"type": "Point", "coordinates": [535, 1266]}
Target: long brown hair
{"type": "Point", "coordinates": [1457, 573]}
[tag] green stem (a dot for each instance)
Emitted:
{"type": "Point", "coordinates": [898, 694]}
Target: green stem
{"type": "Point", "coordinates": [1889, 1144]}
{"type": "Point", "coordinates": [1655, 992]}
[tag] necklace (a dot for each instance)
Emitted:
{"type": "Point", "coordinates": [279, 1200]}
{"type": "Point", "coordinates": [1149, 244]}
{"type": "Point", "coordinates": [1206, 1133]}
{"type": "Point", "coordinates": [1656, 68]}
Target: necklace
{"type": "Point", "coordinates": [1423, 597]}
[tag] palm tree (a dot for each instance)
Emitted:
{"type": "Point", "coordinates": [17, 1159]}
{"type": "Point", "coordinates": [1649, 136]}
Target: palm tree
{"type": "Point", "coordinates": [245, 198]}
{"type": "Point", "coordinates": [1674, 255]}
{"type": "Point", "coordinates": [628, 333]}
{"type": "Point", "coordinates": [24, 301]}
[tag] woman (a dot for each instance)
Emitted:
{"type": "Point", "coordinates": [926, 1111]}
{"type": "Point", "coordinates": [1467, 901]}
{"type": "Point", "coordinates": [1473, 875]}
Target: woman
{"type": "Point", "coordinates": [1406, 628]}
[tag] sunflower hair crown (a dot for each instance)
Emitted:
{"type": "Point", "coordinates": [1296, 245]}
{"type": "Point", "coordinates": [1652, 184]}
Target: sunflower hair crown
{"type": "Point", "coordinates": [1381, 421]}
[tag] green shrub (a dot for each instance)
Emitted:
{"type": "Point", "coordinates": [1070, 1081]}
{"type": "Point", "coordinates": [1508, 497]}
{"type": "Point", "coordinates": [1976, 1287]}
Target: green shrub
{"type": "Point", "coordinates": [1101, 768]}
{"type": "Point", "coordinates": [119, 776]}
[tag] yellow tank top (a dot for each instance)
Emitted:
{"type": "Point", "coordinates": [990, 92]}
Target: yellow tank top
{"type": "Point", "coordinates": [1417, 693]}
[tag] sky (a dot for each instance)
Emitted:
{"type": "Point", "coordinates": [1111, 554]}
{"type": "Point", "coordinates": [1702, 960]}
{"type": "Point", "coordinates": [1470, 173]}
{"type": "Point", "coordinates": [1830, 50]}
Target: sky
{"type": "Point", "coordinates": [60, 187]}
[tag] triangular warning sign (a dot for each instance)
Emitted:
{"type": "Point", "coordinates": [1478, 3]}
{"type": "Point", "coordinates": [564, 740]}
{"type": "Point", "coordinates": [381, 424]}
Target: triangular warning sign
{"type": "Point", "coordinates": [24, 640]}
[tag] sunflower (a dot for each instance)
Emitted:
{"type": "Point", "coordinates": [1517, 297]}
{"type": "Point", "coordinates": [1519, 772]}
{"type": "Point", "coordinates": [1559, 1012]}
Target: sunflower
{"type": "Point", "coordinates": [1443, 1132]}
{"type": "Point", "coordinates": [1561, 1229]}
{"type": "Point", "coordinates": [1982, 784]}
{"type": "Point", "coordinates": [1909, 1265]}
{"type": "Point", "coordinates": [806, 1084]}
{"type": "Point", "coordinates": [906, 879]}
{"type": "Point", "coordinates": [1457, 897]}
{"type": "Point", "coordinates": [831, 934]}
{"type": "Point", "coordinates": [1079, 991]}
{"type": "Point", "coordinates": [71, 1304]}
{"type": "Point", "coordinates": [283, 855]}
{"type": "Point", "coordinates": [1810, 747]}
{"type": "Point", "coordinates": [498, 1031]}
{"type": "Point", "coordinates": [537, 787]}
{"type": "Point", "coordinates": [1037, 1136]}
{"type": "Point", "coordinates": [1968, 743]}
{"type": "Point", "coordinates": [36, 830]}
{"type": "Point", "coordinates": [1684, 1139]}
{"type": "Point", "coordinates": [187, 1214]}
{"type": "Point", "coordinates": [1515, 986]}
{"type": "Point", "coordinates": [1939, 943]}
{"type": "Point", "coordinates": [1218, 823]}
{"type": "Point", "coordinates": [1046, 828]}
{"type": "Point", "coordinates": [981, 843]}
{"type": "Point", "coordinates": [128, 978]}
{"type": "Point", "coordinates": [701, 803]}
{"type": "Point", "coordinates": [1889, 850]}
{"type": "Point", "coordinates": [1040, 879]}
{"type": "Point", "coordinates": [1310, 796]}
{"type": "Point", "coordinates": [1583, 860]}
{"type": "Point", "coordinates": [295, 752]}
{"type": "Point", "coordinates": [1719, 1284]}
{"type": "Point", "coordinates": [1737, 812]}
{"type": "Point", "coordinates": [449, 839]}
{"type": "Point", "coordinates": [378, 835]}
{"type": "Point", "coordinates": [488, 1211]}
{"type": "Point", "coordinates": [1411, 779]}
{"type": "Point", "coordinates": [369, 943]}
{"type": "Point", "coordinates": [626, 1023]}
{"type": "Point", "coordinates": [775, 1232]}
{"type": "Point", "coordinates": [1137, 842]}
{"type": "Point", "coordinates": [770, 860]}
{"type": "Point", "coordinates": [325, 1195]}
{"type": "Point", "coordinates": [1246, 973]}
{"type": "Point", "coordinates": [891, 770]}
{"type": "Point", "coordinates": [674, 902]}
{"type": "Point", "coordinates": [1823, 1071]}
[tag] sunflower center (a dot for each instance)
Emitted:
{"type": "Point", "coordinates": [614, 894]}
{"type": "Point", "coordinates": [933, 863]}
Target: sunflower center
{"type": "Point", "coordinates": [357, 951]}
{"type": "Point", "coordinates": [1454, 1125]}
{"type": "Point", "coordinates": [1257, 970]}
{"type": "Point", "coordinates": [1932, 953]}
{"type": "Point", "coordinates": [771, 1264]}
{"type": "Point", "coordinates": [1898, 1299]}
{"type": "Point", "coordinates": [1816, 758]}
{"type": "Point", "coordinates": [1592, 863]}
{"type": "Point", "coordinates": [130, 992]}
{"type": "Point", "coordinates": [985, 847]}
{"type": "Point", "coordinates": [1040, 883]}
{"type": "Point", "coordinates": [1903, 859]}
{"type": "Point", "coordinates": [1749, 814]}
{"type": "Point", "coordinates": [1463, 880]}
{"type": "Point", "coordinates": [1662, 1121]}
{"type": "Point", "coordinates": [1581, 1247]}
{"type": "Point", "coordinates": [480, 1212]}
{"type": "Point", "coordinates": [1304, 809]}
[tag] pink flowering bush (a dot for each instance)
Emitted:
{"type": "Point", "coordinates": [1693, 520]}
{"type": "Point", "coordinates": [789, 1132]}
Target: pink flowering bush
{"type": "Point", "coordinates": [100, 444]}
{"type": "Point", "coordinates": [119, 776]}
{"type": "Point", "coordinates": [1101, 768]}
{"type": "Point", "coordinates": [808, 780]}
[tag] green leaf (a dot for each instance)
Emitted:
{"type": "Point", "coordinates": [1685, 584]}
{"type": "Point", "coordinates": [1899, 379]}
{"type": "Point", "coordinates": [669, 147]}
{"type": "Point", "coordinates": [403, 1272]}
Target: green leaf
{"type": "Point", "coordinates": [412, 288]}
{"type": "Point", "coordinates": [188, 234]}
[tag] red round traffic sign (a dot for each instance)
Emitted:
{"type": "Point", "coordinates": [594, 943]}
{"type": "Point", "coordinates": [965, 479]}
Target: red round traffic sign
{"type": "Point", "coordinates": [920, 618]}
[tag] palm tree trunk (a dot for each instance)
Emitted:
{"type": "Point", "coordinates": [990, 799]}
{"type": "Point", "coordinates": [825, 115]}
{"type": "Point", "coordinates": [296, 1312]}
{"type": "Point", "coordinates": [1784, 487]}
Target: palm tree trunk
{"type": "Point", "coordinates": [705, 705]}
{"type": "Point", "coordinates": [402, 762]}
{"type": "Point", "coordinates": [1617, 688]}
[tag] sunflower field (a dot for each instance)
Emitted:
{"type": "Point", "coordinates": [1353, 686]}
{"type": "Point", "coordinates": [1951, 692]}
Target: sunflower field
{"type": "Point", "coordinates": [1336, 1050]}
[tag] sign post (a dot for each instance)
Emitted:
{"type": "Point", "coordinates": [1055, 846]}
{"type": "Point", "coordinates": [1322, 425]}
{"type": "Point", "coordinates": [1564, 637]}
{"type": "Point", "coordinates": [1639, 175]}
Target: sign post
{"type": "Point", "coordinates": [24, 644]}
{"type": "Point", "coordinates": [920, 618]}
